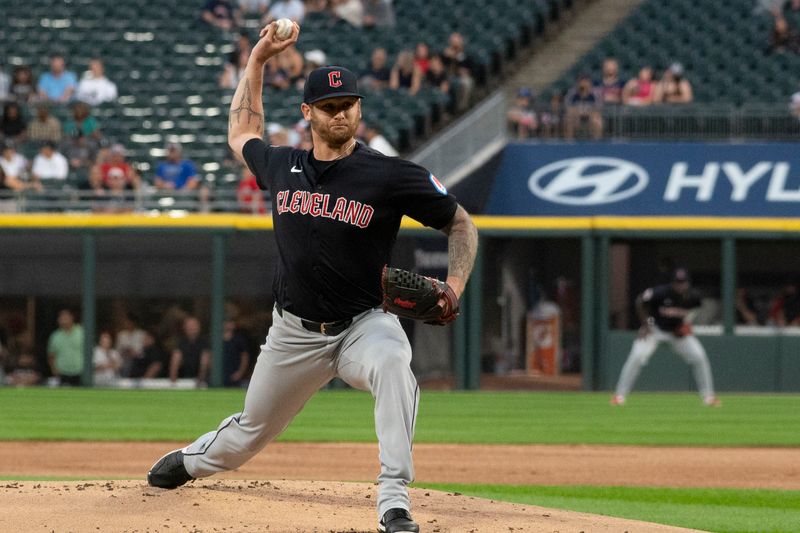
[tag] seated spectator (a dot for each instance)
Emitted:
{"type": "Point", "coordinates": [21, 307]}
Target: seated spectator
{"type": "Point", "coordinates": [674, 88]}
{"type": "Point", "coordinates": [278, 135]}
{"type": "Point", "coordinates": [436, 76]}
{"type": "Point", "coordinates": [292, 63]}
{"type": "Point", "coordinates": [82, 123]}
{"type": "Point", "coordinates": [49, 164]}
{"type": "Point", "coordinates": [152, 362]}
{"type": "Point", "coordinates": [81, 154]}
{"type": "Point", "coordinates": [286, 9]}
{"type": "Point", "coordinates": [640, 91]}
{"type": "Point", "coordinates": [176, 173]}
{"type": "Point", "coordinates": [22, 85]}
{"type": "Point", "coordinates": [275, 76]}
{"type": "Point", "coordinates": [220, 14]}
{"type": "Point", "coordinates": [117, 165]}
{"type": "Point", "coordinates": [550, 117]}
{"type": "Point", "coordinates": [378, 14]}
{"type": "Point", "coordinates": [377, 75]}
{"type": "Point", "coordinates": [254, 6]}
{"type": "Point", "coordinates": [583, 106]}
{"type": "Point", "coordinates": [94, 88]}
{"type": "Point", "coordinates": [14, 167]}
{"type": "Point", "coordinates": [235, 357]}
{"type": "Point", "coordinates": [422, 57]}
{"type": "Point", "coordinates": [350, 11]}
{"type": "Point", "coordinates": [522, 115]}
{"type": "Point", "coordinates": [44, 127]}
{"type": "Point", "coordinates": [372, 136]}
{"type": "Point", "coordinates": [745, 308]}
{"type": "Point", "coordinates": [249, 195]}
{"type": "Point", "coordinates": [316, 6]}
{"type": "Point", "coordinates": [191, 357]}
{"type": "Point", "coordinates": [58, 84]}
{"type": "Point", "coordinates": [405, 75]}
{"type": "Point", "coordinates": [313, 59]}
{"type": "Point", "coordinates": [610, 86]}
{"type": "Point", "coordinates": [13, 125]}
{"type": "Point", "coordinates": [233, 72]}
{"type": "Point", "coordinates": [5, 84]}
{"type": "Point", "coordinates": [784, 38]}
{"type": "Point", "coordinates": [785, 307]}
{"type": "Point", "coordinates": [114, 198]}
{"type": "Point", "coordinates": [24, 371]}
{"type": "Point", "coordinates": [65, 350]}
{"type": "Point", "coordinates": [107, 361]}
{"type": "Point", "coordinates": [460, 68]}
{"type": "Point", "coordinates": [129, 344]}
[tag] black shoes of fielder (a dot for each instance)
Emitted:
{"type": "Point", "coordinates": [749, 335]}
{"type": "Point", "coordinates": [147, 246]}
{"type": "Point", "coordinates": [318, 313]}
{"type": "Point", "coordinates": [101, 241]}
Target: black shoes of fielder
{"type": "Point", "coordinates": [397, 521]}
{"type": "Point", "coordinates": [169, 472]}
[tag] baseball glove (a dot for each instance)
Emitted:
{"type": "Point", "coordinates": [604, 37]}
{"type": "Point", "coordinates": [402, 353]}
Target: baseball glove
{"type": "Point", "coordinates": [410, 295]}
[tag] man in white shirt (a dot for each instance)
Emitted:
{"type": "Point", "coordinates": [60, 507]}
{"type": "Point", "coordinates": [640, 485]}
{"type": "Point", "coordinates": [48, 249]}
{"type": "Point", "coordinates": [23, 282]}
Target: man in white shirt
{"type": "Point", "coordinates": [49, 164]}
{"type": "Point", "coordinates": [289, 9]}
{"type": "Point", "coordinates": [94, 88]}
{"type": "Point", "coordinates": [14, 165]}
{"type": "Point", "coordinates": [374, 138]}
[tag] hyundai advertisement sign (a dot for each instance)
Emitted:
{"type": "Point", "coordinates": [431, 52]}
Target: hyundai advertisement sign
{"type": "Point", "coordinates": [661, 179]}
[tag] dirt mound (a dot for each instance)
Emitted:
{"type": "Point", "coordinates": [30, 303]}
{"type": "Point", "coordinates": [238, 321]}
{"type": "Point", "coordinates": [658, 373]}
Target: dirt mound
{"type": "Point", "coordinates": [285, 506]}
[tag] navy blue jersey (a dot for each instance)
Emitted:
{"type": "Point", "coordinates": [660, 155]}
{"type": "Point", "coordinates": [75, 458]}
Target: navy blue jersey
{"type": "Point", "coordinates": [667, 307]}
{"type": "Point", "coordinates": [335, 230]}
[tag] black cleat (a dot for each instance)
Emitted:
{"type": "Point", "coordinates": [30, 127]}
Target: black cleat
{"type": "Point", "coordinates": [397, 521]}
{"type": "Point", "coordinates": [169, 472]}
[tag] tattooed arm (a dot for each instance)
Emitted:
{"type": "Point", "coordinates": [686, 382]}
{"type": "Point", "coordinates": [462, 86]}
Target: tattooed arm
{"type": "Point", "coordinates": [462, 245]}
{"type": "Point", "coordinates": [246, 120]}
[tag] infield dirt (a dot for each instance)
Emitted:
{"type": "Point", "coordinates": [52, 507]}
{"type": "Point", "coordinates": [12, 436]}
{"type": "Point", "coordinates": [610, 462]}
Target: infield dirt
{"type": "Point", "coordinates": [297, 487]}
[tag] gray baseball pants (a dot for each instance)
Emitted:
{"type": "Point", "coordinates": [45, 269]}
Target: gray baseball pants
{"type": "Point", "coordinates": [373, 354]}
{"type": "Point", "coordinates": [688, 347]}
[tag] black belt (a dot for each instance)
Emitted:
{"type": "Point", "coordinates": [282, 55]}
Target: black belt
{"type": "Point", "coordinates": [326, 328]}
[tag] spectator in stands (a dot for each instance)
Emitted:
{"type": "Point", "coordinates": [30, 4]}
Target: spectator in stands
{"type": "Point", "coordinates": [94, 88]}
{"type": "Point", "coordinates": [674, 88]}
{"type": "Point", "coordinates": [221, 14]}
{"type": "Point", "coordinates": [115, 163]}
{"type": "Point", "coordinates": [460, 68]}
{"type": "Point", "coordinates": [191, 357]}
{"type": "Point", "coordinates": [783, 38]}
{"type": "Point", "coordinates": [373, 137]}
{"type": "Point", "coordinates": [5, 84]}
{"type": "Point", "coordinates": [405, 74]}
{"type": "Point", "coordinates": [422, 57]}
{"type": "Point", "coordinates": [176, 173]}
{"type": "Point", "coordinates": [640, 91]}
{"type": "Point", "coordinates": [82, 123]}
{"type": "Point", "coordinates": [745, 308]}
{"type": "Point", "coordinates": [288, 9]}
{"type": "Point", "coordinates": [23, 371]}
{"type": "Point", "coordinates": [235, 357]}
{"type": "Point", "coordinates": [254, 6]}
{"type": "Point", "coordinates": [234, 71]}
{"type": "Point", "coordinates": [58, 84]}
{"type": "Point", "coordinates": [378, 14]}
{"type": "Point", "coordinates": [522, 118]}
{"type": "Point", "coordinates": [610, 86]}
{"type": "Point", "coordinates": [152, 361]}
{"type": "Point", "coordinates": [45, 127]}
{"type": "Point", "coordinates": [65, 349]}
{"type": "Point", "coordinates": [350, 11]}
{"type": "Point", "coordinates": [278, 136]}
{"type": "Point", "coordinates": [22, 85]}
{"type": "Point", "coordinates": [129, 344]}
{"type": "Point", "coordinates": [377, 75]}
{"type": "Point", "coordinates": [49, 164]}
{"type": "Point", "coordinates": [13, 125]}
{"type": "Point", "coordinates": [785, 307]}
{"type": "Point", "coordinates": [14, 167]}
{"type": "Point", "coordinates": [313, 59]}
{"type": "Point", "coordinates": [583, 107]}
{"type": "Point", "coordinates": [316, 6]}
{"type": "Point", "coordinates": [436, 76]}
{"type": "Point", "coordinates": [275, 76]}
{"type": "Point", "coordinates": [80, 154]}
{"type": "Point", "coordinates": [292, 63]}
{"type": "Point", "coordinates": [107, 361]}
{"type": "Point", "coordinates": [249, 195]}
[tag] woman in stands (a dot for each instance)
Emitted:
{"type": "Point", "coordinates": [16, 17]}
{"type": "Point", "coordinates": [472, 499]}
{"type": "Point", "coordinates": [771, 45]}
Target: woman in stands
{"type": "Point", "coordinates": [641, 91]}
{"type": "Point", "coordinates": [405, 74]}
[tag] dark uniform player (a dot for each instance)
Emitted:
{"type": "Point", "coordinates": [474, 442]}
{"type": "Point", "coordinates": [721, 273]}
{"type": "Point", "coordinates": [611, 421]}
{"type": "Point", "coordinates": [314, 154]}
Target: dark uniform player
{"type": "Point", "coordinates": [336, 212]}
{"type": "Point", "coordinates": [663, 312]}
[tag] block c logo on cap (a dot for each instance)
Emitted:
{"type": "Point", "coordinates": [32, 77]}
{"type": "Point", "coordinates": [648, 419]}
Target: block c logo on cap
{"type": "Point", "coordinates": [335, 78]}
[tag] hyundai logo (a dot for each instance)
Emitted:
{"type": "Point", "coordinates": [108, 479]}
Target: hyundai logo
{"type": "Point", "coordinates": [588, 181]}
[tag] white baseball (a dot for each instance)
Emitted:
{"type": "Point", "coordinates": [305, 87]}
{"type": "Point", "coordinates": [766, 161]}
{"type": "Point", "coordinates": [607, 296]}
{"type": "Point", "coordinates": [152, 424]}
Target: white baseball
{"type": "Point", "coordinates": [283, 29]}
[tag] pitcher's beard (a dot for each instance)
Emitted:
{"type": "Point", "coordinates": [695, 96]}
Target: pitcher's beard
{"type": "Point", "coordinates": [336, 137]}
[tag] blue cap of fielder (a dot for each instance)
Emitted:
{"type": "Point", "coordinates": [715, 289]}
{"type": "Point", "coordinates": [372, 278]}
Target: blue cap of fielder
{"type": "Point", "coordinates": [330, 82]}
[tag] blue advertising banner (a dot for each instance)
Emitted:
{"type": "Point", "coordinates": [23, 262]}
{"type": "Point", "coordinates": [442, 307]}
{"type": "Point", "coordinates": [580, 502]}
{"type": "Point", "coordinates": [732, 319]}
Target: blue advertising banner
{"type": "Point", "coordinates": [648, 179]}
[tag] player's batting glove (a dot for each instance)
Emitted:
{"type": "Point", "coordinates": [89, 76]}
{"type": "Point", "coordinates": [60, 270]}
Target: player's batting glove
{"type": "Point", "coordinates": [419, 297]}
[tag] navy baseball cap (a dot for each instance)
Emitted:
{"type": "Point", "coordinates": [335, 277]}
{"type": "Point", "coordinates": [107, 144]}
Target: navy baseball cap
{"type": "Point", "coordinates": [330, 82]}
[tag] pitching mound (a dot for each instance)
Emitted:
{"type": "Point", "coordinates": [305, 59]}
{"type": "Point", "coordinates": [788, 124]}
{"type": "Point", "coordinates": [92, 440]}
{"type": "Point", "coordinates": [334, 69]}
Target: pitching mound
{"type": "Point", "coordinates": [288, 506]}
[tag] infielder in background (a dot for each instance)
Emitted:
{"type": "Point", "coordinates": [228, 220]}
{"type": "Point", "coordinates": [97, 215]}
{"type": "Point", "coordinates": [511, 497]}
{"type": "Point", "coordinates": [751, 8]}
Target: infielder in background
{"type": "Point", "coordinates": [336, 211]}
{"type": "Point", "coordinates": [664, 314]}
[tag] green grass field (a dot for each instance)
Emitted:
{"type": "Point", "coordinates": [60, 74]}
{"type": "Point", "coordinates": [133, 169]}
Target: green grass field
{"type": "Point", "coordinates": [451, 417]}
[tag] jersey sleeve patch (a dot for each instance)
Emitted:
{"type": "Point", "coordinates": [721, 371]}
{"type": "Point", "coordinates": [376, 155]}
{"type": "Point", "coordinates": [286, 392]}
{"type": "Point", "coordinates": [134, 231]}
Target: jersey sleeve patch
{"type": "Point", "coordinates": [437, 184]}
